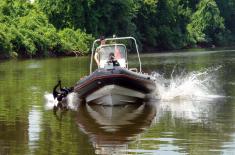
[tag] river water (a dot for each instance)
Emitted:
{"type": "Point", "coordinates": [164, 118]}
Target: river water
{"type": "Point", "coordinates": [194, 112]}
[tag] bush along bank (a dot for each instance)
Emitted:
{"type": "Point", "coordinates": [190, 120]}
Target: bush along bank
{"type": "Point", "coordinates": [26, 33]}
{"type": "Point", "coordinates": [37, 28]}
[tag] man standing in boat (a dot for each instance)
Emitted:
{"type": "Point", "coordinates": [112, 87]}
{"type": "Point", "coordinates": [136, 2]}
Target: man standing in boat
{"type": "Point", "coordinates": [102, 42]}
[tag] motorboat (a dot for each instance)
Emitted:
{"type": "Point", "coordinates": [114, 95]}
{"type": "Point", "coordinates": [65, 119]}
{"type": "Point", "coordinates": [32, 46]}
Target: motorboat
{"type": "Point", "coordinates": [113, 82]}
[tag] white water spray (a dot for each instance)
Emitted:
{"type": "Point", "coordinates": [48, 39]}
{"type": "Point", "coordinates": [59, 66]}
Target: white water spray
{"type": "Point", "coordinates": [190, 95]}
{"type": "Point", "coordinates": [192, 86]}
{"type": "Point", "coordinates": [72, 101]}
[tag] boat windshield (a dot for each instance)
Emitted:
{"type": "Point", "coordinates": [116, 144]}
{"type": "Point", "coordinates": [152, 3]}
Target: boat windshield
{"type": "Point", "coordinates": [119, 52]}
{"type": "Point", "coordinates": [104, 52]}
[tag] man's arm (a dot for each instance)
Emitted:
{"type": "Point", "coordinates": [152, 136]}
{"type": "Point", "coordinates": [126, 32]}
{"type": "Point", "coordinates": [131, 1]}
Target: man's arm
{"type": "Point", "coordinates": [97, 59]}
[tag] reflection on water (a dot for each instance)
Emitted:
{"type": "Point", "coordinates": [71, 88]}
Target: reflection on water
{"type": "Point", "coordinates": [35, 116]}
{"type": "Point", "coordinates": [111, 128]}
{"type": "Point", "coordinates": [193, 110]}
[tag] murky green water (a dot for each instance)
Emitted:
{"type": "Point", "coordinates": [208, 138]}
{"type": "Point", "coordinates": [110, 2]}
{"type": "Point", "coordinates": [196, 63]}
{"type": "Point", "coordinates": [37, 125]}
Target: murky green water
{"type": "Point", "coordinates": [196, 113]}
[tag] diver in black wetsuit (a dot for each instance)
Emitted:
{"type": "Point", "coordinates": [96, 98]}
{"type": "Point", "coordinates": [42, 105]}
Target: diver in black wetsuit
{"type": "Point", "coordinates": [61, 94]}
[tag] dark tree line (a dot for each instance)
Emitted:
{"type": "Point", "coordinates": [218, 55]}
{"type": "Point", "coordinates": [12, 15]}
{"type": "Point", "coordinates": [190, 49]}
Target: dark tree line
{"type": "Point", "coordinates": [61, 26]}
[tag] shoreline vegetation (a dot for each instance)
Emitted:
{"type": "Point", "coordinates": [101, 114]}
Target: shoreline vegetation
{"type": "Point", "coordinates": [50, 28]}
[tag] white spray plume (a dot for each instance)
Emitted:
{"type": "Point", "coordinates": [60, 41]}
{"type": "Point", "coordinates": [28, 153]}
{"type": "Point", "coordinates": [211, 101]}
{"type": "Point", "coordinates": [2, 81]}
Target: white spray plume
{"type": "Point", "coordinates": [194, 85]}
{"type": "Point", "coordinates": [72, 101]}
{"type": "Point", "coordinates": [190, 95]}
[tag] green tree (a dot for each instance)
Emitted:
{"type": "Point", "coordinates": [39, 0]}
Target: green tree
{"type": "Point", "coordinates": [162, 23]}
{"type": "Point", "coordinates": [15, 8]}
{"type": "Point", "coordinates": [99, 17]}
{"type": "Point", "coordinates": [227, 9]}
{"type": "Point", "coordinates": [5, 45]}
{"type": "Point", "coordinates": [75, 41]}
{"type": "Point", "coordinates": [26, 31]}
{"type": "Point", "coordinates": [206, 25]}
{"type": "Point", "coordinates": [58, 27]}
{"type": "Point", "coordinates": [63, 13]}
{"type": "Point", "coordinates": [113, 17]}
{"type": "Point", "coordinates": [171, 33]}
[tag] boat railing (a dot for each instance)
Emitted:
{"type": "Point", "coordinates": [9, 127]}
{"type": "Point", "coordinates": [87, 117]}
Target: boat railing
{"type": "Point", "coordinates": [113, 39]}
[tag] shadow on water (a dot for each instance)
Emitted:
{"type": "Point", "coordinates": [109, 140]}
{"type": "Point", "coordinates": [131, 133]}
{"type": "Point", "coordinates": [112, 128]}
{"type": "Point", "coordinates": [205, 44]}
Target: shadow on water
{"type": "Point", "coordinates": [111, 128]}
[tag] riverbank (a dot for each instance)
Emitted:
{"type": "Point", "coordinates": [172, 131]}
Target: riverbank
{"type": "Point", "coordinates": [195, 48]}
{"type": "Point", "coordinates": [49, 55]}
{"type": "Point", "coordinates": [78, 54]}
{"type": "Point", "coordinates": [36, 29]}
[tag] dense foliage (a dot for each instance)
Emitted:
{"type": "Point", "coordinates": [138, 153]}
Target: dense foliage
{"type": "Point", "coordinates": [26, 32]}
{"type": "Point", "coordinates": [206, 23]}
{"type": "Point", "coordinates": [58, 27]}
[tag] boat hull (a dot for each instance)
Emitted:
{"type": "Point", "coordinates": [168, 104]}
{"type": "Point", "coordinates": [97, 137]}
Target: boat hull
{"type": "Point", "coordinates": [114, 95]}
{"type": "Point", "coordinates": [114, 87]}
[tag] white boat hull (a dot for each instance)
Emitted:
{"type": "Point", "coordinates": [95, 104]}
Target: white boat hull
{"type": "Point", "coordinates": [114, 95]}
